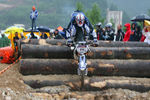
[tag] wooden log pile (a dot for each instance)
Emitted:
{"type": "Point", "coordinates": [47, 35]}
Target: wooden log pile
{"type": "Point", "coordinates": [63, 52]}
{"type": "Point", "coordinates": [134, 68]}
{"type": "Point", "coordinates": [61, 42]}
{"type": "Point", "coordinates": [109, 58]}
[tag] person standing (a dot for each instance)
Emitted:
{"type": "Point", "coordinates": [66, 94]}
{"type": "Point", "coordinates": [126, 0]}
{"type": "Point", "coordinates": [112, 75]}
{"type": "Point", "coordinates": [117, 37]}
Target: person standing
{"type": "Point", "coordinates": [15, 39]}
{"type": "Point", "coordinates": [138, 33]}
{"type": "Point", "coordinates": [33, 17]}
{"type": "Point", "coordinates": [43, 35]}
{"type": "Point", "coordinates": [99, 31]}
{"type": "Point", "coordinates": [4, 41]}
{"type": "Point", "coordinates": [146, 33]}
{"type": "Point", "coordinates": [120, 33]}
{"type": "Point", "coordinates": [132, 35]}
{"type": "Point", "coordinates": [109, 32]}
{"type": "Point", "coordinates": [128, 32]}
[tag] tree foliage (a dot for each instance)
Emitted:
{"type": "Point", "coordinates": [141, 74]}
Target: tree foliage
{"type": "Point", "coordinates": [95, 14]}
{"type": "Point", "coordinates": [79, 6]}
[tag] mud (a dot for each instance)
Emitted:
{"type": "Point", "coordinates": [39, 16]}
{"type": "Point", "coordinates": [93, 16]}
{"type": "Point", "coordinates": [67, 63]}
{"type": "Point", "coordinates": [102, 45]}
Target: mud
{"type": "Point", "coordinates": [12, 87]}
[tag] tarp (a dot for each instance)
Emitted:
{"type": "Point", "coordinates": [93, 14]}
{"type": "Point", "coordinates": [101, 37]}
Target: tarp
{"type": "Point", "coordinates": [6, 55]}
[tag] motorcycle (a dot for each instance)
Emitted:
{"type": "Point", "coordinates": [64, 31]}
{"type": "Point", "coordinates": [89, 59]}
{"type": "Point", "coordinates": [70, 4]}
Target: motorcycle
{"type": "Point", "coordinates": [80, 50]}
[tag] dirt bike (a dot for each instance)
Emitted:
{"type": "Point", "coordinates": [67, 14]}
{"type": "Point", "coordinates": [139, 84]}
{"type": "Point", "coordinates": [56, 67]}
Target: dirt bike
{"type": "Point", "coordinates": [80, 49]}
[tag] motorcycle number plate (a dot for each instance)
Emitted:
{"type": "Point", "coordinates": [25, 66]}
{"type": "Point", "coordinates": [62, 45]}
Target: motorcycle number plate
{"type": "Point", "coordinates": [82, 49]}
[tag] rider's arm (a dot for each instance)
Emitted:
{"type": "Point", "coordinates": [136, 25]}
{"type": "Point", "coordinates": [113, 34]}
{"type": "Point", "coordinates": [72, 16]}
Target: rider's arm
{"type": "Point", "coordinates": [73, 31]}
{"type": "Point", "coordinates": [89, 24]}
{"type": "Point", "coordinates": [88, 31]}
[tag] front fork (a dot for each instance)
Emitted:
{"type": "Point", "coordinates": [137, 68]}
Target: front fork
{"type": "Point", "coordinates": [82, 65]}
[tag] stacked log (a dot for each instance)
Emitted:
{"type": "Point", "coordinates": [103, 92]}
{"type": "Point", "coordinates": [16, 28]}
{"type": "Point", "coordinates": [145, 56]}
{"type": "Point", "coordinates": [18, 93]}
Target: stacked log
{"type": "Point", "coordinates": [64, 52]}
{"type": "Point", "coordinates": [135, 68]}
{"type": "Point", "coordinates": [109, 58]}
{"type": "Point", "coordinates": [61, 42]}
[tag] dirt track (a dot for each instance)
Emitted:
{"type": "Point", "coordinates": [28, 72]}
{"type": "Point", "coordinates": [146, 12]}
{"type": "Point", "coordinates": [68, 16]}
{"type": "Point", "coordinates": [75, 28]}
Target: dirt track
{"type": "Point", "coordinates": [12, 87]}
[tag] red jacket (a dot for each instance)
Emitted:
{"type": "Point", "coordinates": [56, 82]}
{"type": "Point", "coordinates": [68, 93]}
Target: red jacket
{"type": "Point", "coordinates": [128, 32]}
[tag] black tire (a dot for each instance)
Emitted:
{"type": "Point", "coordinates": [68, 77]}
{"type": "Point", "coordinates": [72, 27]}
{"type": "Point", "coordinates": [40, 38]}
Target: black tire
{"type": "Point", "coordinates": [82, 80]}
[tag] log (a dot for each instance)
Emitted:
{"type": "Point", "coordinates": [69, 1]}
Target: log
{"type": "Point", "coordinates": [94, 83]}
{"type": "Point", "coordinates": [46, 51]}
{"type": "Point", "coordinates": [54, 52]}
{"type": "Point", "coordinates": [44, 42]}
{"type": "Point", "coordinates": [133, 68]}
{"type": "Point", "coordinates": [61, 42]}
{"type": "Point", "coordinates": [119, 53]}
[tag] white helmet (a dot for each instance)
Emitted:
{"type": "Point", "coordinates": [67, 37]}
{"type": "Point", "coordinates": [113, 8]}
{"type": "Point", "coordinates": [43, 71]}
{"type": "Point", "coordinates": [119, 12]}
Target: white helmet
{"type": "Point", "coordinates": [80, 19]}
{"type": "Point", "coordinates": [99, 24]}
{"type": "Point", "coordinates": [109, 25]}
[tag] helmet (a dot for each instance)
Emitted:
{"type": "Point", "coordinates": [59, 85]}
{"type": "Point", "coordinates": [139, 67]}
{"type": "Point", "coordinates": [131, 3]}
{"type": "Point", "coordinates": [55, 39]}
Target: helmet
{"type": "Point", "coordinates": [109, 25]}
{"type": "Point", "coordinates": [80, 19]}
{"type": "Point", "coordinates": [99, 24]}
{"type": "Point", "coordinates": [33, 8]}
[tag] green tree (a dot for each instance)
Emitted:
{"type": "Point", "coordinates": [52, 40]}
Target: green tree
{"type": "Point", "coordinates": [94, 15]}
{"type": "Point", "coordinates": [79, 6]}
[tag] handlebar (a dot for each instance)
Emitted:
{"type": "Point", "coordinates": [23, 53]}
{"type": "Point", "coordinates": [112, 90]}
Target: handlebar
{"type": "Point", "coordinates": [88, 42]}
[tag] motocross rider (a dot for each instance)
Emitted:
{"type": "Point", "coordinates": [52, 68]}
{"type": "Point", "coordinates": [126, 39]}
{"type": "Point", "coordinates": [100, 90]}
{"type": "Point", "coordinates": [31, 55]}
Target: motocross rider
{"type": "Point", "coordinates": [80, 29]}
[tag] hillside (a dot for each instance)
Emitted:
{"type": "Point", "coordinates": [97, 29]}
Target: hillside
{"type": "Point", "coordinates": [53, 13]}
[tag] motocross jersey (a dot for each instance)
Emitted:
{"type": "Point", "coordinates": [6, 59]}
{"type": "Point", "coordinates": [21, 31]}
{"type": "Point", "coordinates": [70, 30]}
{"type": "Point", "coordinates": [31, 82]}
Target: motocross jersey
{"type": "Point", "coordinates": [79, 33]}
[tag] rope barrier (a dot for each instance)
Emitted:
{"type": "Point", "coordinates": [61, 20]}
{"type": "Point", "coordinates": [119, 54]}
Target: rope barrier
{"type": "Point", "coordinates": [4, 70]}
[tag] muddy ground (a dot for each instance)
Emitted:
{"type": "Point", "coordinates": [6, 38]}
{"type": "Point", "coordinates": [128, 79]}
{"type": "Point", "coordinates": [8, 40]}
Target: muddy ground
{"type": "Point", "coordinates": [12, 87]}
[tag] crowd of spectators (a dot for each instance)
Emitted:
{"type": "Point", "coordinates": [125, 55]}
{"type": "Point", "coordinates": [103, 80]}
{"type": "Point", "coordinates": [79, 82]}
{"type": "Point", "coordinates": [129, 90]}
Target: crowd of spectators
{"type": "Point", "coordinates": [128, 32]}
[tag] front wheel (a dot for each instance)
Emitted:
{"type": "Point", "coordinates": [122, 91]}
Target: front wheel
{"type": "Point", "coordinates": [82, 74]}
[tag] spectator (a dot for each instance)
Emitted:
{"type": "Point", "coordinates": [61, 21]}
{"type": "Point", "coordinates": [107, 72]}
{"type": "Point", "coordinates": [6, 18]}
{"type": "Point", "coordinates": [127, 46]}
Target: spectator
{"type": "Point", "coordinates": [109, 32]}
{"type": "Point", "coordinates": [15, 39]}
{"type": "Point", "coordinates": [145, 30]}
{"type": "Point", "coordinates": [99, 31]}
{"type": "Point", "coordinates": [128, 32]}
{"type": "Point", "coordinates": [146, 33]}
{"type": "Point", "coordinates": [43, 36]}
{"type": "Point", "coordinates": [22, 36]}
{"type": "Point", "coordinates": [132, 35]}
{"type": "Point", "coordinates": [4, 41]}
{"type": "Point", "coordinates": [64, 33]}
{"type": "Point", "coordinates": [138, 33]}
{"type": "Point", "coordinates": [57, 35]}
{"type": "Point", "coordinates": [52, 33]}
{"type": "Point", "coordinates": [32, 36]}
{"type": "Point", "coordinates": [120, 33]}
{"type": "Point", "coordinates": [33, 17]}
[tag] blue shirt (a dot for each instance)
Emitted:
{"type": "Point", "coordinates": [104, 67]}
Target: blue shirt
{"type": "Point", "coordinates": [33, 14]}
